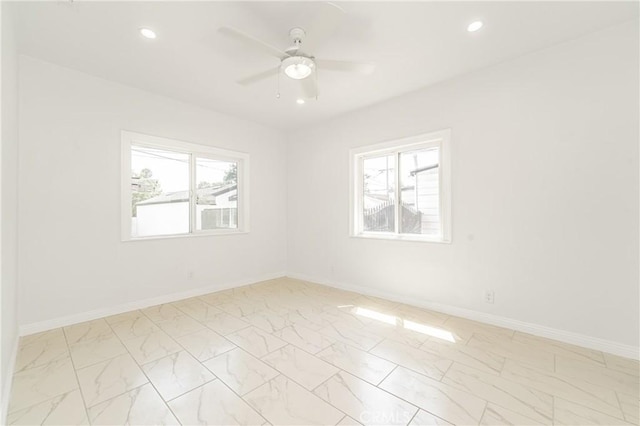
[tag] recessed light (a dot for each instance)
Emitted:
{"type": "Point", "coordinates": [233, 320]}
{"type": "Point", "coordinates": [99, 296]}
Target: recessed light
{"type": "Point", "coordinates": [300, 101]}
{"type": "Point", "coordinates": [147, 33]}
{"type": "Point", "coordinates": [474, 26]}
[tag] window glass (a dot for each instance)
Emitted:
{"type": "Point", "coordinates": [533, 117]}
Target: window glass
{"type": "Point", "coordinates": [159, 192]}
{"type": "Point", "coordinates": [402, 189]}
{"type": "Point", "coordinates": [177, 188]}
{"type": "Point", "coordinates": [378, 201]}
{"type": "Point", "coordinates": [420, 192]}
{"type": "Point", "coordinates": [217, 194]}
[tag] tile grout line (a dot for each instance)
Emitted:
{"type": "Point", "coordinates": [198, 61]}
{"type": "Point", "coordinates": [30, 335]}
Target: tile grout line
{"type": "Point", "coordinates": [183, 393]}
{"type": "Point", "coordinates": [553, 396]}
{"type": "Point", "coordinates": [343, 418]}
{"type": "Point", "coordinates": [301, 338]}
{"type": "Point", "coordinates": [484, 410]}
{"type": "Point", "coordinates": [503, 406]}
{"type": "Point", "coordinates": [376, 345]}
{"type": "Point", "coordinates": [619, 403]}
{"type": "Point", "coordinates": [413, 417]}
{"type": "Point", "coordinates": [299, 384]}
{"type": "Point", "coordinates": [448, 368]}
{"type": "Point", "coordinates": [393, 394]}
{"type": "Point", "coordinates": [346, 372]}
{"type": "Point", "coordinates": [167, 401]}
{"type": "Point", "coordinates": [325, 381]}
{"type": "Point", "coordinates": [223, 353]}
{"type": "Point", "coordinates": [365, 380]}
{"type": "Point", "coordinates": [222, 311]}
{"type": "Point", "coordinates": [314, 394]}
{"type": "Point", "coordinates": [411, 368]}
{"type": "Point", "coordinates": [145, 374]}
{"type": "Point", "coordinates": [280, 373]}
{"type": "Point", "coordinates": [92, 339]}
{"type": "Point", "coordinates": [330, 363]}
{"type": "Point", "coordinates": [104, 360]}
{"type": "Point", "coordinates": [259, 359]}
{"type": "Point", "coordinates": [241, 398]}
{"type": "Point", "coordinates": [140, 365]}
{"type": "Point", "coordinates": [207, 328]}
{"type": "Point", "coordinates": [253, 356]}
{"type": "Point", "coordinates": [75, 372]}
{"type": "Point", "coordinates": [385, 377]}
{"type": "Point", "coordinates": [314, 355]}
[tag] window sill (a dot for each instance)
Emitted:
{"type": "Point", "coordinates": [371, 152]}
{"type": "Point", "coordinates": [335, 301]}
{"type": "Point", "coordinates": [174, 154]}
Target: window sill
{"type": "Point", "coordinates": [410, 238]}
{"type": "Point", "coordinates": [192, 235]}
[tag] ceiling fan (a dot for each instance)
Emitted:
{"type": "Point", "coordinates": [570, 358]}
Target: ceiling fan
{"type": "Point", "coordinates": [296, 63]}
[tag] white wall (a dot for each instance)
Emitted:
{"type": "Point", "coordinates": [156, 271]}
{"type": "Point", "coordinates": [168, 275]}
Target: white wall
{"type": "Point", "coordinates": [545, 191]}
{"type": "Point", "coordinates": [9, 198]}
{"type": "Point", "coordinates": [71, 258]}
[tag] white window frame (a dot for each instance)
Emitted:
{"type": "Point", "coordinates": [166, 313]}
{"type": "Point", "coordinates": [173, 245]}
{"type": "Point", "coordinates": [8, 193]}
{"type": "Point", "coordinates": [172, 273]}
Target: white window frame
{"type": "Point", "coordinates": [440, 139]}
{"type": "Point", "coordinates": [128, 139]}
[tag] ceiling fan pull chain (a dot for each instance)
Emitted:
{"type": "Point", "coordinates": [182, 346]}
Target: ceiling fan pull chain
{"type": "Point", "coordinates": [279, 72]}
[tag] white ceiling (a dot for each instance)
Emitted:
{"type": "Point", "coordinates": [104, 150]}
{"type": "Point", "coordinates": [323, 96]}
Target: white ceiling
{"type": "Point", "coordinates": [414, 44]}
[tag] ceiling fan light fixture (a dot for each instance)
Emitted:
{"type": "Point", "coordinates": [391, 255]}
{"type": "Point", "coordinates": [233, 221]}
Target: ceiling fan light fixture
{"type": "Point", "coordinates": [298, 67]}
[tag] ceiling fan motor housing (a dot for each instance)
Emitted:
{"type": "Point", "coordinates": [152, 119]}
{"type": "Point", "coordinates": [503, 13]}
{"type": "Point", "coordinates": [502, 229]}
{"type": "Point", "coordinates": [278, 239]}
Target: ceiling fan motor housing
{"type": "Point", "coordinates": [297, 35]}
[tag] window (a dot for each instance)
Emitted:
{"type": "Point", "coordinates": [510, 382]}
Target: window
{"type": "Point", "coordinates": [175, 188]}
{"type": "Point", "coordinates": [402, 189]}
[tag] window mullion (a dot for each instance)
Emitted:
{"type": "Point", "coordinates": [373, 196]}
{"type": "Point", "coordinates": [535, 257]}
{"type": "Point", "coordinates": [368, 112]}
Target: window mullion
{"type": "Point", "coordinates": [240, 204]}
{"type": "Point", "coordinates": [192, 193]}
{"type": "Point", "coordinates": [360, 196]}
{"type": "Point", "coordinates": [146, 191]}
{"type": "Point", "coordinates": [397, 192]}
{"type": "Point", "coordinates": [428, 188]}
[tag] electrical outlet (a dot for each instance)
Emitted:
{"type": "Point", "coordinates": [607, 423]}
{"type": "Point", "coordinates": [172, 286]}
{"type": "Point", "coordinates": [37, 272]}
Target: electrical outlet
{"type": "Point", "coordinates": [488, 296]}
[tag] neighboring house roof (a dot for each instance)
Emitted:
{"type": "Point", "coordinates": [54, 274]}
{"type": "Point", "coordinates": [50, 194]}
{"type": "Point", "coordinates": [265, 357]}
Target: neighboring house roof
{"type": "Point", "coordinates": [205, 195]}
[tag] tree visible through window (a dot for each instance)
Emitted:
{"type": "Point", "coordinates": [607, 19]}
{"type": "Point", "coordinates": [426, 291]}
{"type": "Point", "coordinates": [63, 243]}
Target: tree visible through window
{"type": "Point", "coordinates": [177, 188]}
{"type": "Point", "coordinates": [217, 194]}
{"type": "Point", "coordinates": [159, 192]}
{"type": "Point", "coordinates": [143, 187]}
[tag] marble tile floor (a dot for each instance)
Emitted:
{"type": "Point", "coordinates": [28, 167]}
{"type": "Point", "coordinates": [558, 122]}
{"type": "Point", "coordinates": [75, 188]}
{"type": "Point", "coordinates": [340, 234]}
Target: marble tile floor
{"type": "Point", "coordinates": [288, 352]}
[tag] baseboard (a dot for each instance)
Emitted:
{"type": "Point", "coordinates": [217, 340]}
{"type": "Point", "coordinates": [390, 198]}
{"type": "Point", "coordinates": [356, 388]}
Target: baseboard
{"type": "Point", "coordinates": [40, 326]}
{"type": "Point", "coordinates": [603, 345]}
{"type": "Point", "coordinates": [7, 382]}
{"type": "Point", "coordinates": [564, 336]}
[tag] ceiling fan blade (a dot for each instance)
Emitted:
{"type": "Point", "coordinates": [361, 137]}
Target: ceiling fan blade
{"type": "Point", "coordinates": [324, 25]}
{"type": "Point", "coordinates": [346, 66]}
{"type": "Point", "coordinates": [309, 87]}
{"type": "Point", "coordinates": [252, 41]}
{"type": "Point", "coordinates": [258, 77]}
